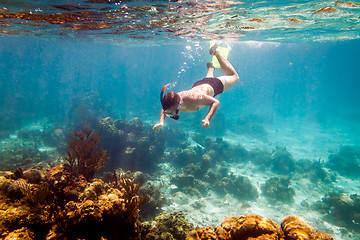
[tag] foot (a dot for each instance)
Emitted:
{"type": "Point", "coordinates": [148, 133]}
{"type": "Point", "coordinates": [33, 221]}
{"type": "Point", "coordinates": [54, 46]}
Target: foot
{"type": "Point", "coordinates": [210, 65]}
{"type": "Point", "coordinates": [213, 49]}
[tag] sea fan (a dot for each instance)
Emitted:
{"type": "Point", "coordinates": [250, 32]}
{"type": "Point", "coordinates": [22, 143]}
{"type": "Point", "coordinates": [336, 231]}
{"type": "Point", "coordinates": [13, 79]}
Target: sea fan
{"type": "Point", "coordinates": [84, 156]}
{"type": "Point", "coordinates": [35, 193]}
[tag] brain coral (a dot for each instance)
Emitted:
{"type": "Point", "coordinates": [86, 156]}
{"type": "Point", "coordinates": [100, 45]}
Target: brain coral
{"type": "Point", "coordinates": [295, 228]}
{"type": "Point", "coordinates": [251, 226]}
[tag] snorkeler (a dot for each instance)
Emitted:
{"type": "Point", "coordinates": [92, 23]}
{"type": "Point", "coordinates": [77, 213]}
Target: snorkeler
{"type": "Point", "coordinates": [201, 94]}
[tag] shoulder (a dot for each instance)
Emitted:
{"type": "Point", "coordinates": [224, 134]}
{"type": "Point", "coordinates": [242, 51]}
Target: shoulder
{"type": "Point", "coordinates": [206, 100]}
{"type": "Point", "coordinates": [191, 94]}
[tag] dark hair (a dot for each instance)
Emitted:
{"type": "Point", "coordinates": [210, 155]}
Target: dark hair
{"type": "Point", "coordinates": [170, 99]}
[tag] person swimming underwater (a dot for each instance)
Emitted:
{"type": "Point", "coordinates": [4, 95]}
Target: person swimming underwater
{"type": "Point", "coordinates": [201, 94]}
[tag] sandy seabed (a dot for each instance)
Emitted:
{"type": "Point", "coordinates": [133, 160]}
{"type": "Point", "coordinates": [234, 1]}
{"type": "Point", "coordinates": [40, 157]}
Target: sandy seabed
{"type": "Point", "coordinates": [303, 141]}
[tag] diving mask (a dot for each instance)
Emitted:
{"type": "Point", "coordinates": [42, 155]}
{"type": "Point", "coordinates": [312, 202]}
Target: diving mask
{"type": "Point", "coordinates": [174, 114]}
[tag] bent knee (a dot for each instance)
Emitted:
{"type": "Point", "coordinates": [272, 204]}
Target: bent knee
{"type": "Point", "coordinates": [236, 76]}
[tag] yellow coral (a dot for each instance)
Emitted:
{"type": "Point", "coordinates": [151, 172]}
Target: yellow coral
{"type": "Point", "coordinates": [296, 229]}
{"type": "Point", "coordinates": [251, 226]}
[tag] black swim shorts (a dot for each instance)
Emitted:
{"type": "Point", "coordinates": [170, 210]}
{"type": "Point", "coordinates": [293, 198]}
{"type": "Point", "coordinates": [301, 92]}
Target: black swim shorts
{"type": "Point", "coordinates": [215, 83]}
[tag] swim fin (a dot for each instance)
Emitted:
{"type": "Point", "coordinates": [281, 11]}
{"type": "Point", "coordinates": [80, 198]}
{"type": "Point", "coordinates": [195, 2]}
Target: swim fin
{"type": "Point", "coordinates": [224, 51]}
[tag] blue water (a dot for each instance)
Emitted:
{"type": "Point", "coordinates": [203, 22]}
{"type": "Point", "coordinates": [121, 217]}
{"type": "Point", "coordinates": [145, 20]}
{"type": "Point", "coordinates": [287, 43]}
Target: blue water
{"type": "Point", "coordinates": [299, 86]}
{"type": "Point", "coordinates": [314, 82]}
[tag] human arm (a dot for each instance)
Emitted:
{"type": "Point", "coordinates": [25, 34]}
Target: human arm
{"type": "Point", "coordinates": [162, 120]}
{"type": "Point", "coordinates": [213, 106]}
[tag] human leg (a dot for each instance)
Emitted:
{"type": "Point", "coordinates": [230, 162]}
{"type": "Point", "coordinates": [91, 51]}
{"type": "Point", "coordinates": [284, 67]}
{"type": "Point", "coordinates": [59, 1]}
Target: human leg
{"type": "Point", "coordinates": [210, 67]}
{"type": "Point", "coordinates": [231, 77]}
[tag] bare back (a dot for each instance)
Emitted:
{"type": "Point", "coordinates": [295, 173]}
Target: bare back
{"type": "Point", "coordinates": [196, 98]}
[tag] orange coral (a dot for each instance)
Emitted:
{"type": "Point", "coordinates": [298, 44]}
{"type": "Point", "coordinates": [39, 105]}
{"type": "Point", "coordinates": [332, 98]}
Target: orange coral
{"type": "Point", "coordinates": [255, 227]}
{"type": "Point", "coordinates": [244, 227]}
{"type": "Point", "coordinates": [296, 229]}
{"type": "Point", "coordinates": [252, 226]}
{"type": "Point", "coordinates": [207, 233]}
{"type": "Point", "coordinates": [130, 190]}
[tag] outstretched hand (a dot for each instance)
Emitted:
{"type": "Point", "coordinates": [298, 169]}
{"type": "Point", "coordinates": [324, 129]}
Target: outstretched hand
{"type": "Point", "coordinates": [205, 123]}
{"type": "Point", "coordinates": [158, 126]}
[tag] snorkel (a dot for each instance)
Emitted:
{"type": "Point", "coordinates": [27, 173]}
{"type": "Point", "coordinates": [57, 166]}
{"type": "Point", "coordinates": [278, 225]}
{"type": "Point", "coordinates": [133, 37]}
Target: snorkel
{"type": "Point", "coordinates": [162, 93]}
{"type": "Point", "coordinates": [174, 115]}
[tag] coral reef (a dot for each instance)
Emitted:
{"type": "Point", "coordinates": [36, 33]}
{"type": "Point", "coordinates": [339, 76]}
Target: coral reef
{"type": "Point", "coordinates": [251, 227]}
{"type": "Point", "coordinates": [314, 170]}
{"type": "Point", "coordinates": [221, 150]}
{"type": "Point", "coordinates": [84, 157]}
{"type": "Point", "coordinates": [242, 227]}
{"type": "Point", "coordinates": [282, 161]}
{"type": "Point", "coordinates": [341, 209]}
{"type": "Point", "coordinates": [22, 233]}
{"type": "Point", "coordinates": [51, 135]}
{"type": "Point", "coordinates": [249, 125]}
{"type": "Point", "coordinates": [260, 158]}
{"type": "Point", "coordinates": [197, 179]}
{"type": "Point", "coordinates": [239, 186]}
{"type": "Point", "coordinates": [34, 193]}
{"type": "Point", "coordinates": [277, 189]}
{"type": "Point", "coordinates": [189, 180]}
{"type": "Point", "coordinates": [112, 139]}
{"type": "Point", "coordinates": [167, 226]}
{"type": "Point", "coordinates": [131, 145]}
{"type": "Point", "coordinates": [25, 152]}
{"type": "Point", "coordinates": [185, 182]}
{"type": "Point", "coordinates": [218, 150]}
{"type": "Point", "coordinates": [181, 139]}
{"type": "Point", "coordinates": [346, 161]}
{"type": "Point", "coordinates": [181, 157]}
{"type": "Point", "coordinates": [86, 109]}
{"type": "Point", "coordinates": [154, 200]}
{"type": "Point", "coordinates": [79, 209]}
{"type": "Point", "coordinates": [147, 190]}
{"type": "Point", "coordinates": [66, 202]}
{"type": "Point", "coordinates": [295, 228]}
